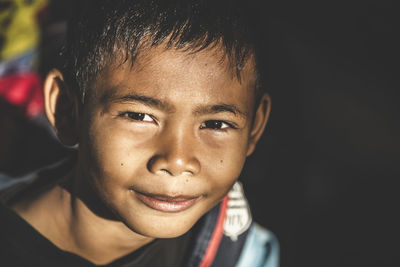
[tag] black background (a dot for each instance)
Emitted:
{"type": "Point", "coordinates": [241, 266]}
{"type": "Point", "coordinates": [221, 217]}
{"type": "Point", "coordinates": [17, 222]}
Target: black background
{"type": "Point", "coordinates": [324, 177]}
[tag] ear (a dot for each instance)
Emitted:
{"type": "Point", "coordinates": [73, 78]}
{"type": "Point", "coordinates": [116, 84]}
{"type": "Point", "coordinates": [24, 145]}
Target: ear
{"type": "Point", "coordinates": [259, 122]}
{"type": "Point", "coordinates": [61, 107]}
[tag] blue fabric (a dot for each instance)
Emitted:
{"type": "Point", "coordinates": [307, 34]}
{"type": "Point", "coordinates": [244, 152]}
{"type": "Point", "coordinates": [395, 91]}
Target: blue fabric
{"type": "Point", "coordinates": [260, 250]}
{"type": "Point", "coordinates": [7, 181]}
{"type": "Point", "coordinates": [21, 64]}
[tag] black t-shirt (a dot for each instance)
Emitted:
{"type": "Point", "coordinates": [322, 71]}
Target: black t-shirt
{"type": "Point", "coordinates": [22, 245]}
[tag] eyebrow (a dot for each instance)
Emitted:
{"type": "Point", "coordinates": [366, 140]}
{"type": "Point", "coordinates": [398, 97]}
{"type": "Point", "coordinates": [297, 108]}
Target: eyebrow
{"type": "Point", "coordinates": [214, 109]}
{"type": "Point", "coordinates": [110, 96]}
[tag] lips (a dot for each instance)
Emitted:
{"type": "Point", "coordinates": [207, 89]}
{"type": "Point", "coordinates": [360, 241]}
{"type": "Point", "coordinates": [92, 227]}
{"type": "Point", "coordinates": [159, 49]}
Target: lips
{"type": "Point", "coordinates": [167, 203]}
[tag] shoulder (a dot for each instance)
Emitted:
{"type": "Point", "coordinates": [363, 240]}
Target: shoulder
{"type": "Point", "coordinates": [20, 243]}
{"type": "Point", "coordinates": [229, 237]}
{"type": "Point", "coordinates": [260, 249]}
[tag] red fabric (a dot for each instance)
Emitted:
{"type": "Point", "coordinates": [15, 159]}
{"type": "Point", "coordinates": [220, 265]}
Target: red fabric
{"type": "Point", "coordinates": [216, 236]}
{"type": "Point", "coordinates": [23, 90]}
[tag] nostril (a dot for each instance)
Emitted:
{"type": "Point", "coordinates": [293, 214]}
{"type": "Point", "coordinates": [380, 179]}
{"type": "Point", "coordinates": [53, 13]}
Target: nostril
{"type": "Point", "coordinates": [172, 154]}
{"type": "Point", "coordinates": [166, 171]}
{"type": "Point", "coordinates": [153, 164]}
{"type": "Point", "coordinates": [187, 173]}
{"type": "Point", "coordinates": [164, 165]}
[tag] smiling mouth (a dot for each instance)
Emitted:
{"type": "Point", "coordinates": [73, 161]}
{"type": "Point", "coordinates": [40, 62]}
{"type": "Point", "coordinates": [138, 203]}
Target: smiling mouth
{"type": "Point", "coordinates": [166, 203]}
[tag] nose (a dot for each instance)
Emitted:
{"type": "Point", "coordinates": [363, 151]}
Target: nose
{"type": "Point", "coordinates": [175, 154]}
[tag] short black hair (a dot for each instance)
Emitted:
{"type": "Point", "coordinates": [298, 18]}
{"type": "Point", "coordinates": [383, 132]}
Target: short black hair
{"type": "Point", "coordinates": [101, 28]}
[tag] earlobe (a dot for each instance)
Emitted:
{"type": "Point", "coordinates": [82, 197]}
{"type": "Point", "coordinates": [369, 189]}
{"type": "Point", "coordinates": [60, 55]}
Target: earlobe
{"type": "Point", "coordinates": [61, 108]}
{"type": "Point", "coordinates": [260, 121]}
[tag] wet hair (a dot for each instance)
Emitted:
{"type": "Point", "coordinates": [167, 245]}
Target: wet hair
{"type": "Point", "coordinates": [104, 28]}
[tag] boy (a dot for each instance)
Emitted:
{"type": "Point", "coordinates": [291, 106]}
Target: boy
{"type": "Point", "coordinates": [163, 102]}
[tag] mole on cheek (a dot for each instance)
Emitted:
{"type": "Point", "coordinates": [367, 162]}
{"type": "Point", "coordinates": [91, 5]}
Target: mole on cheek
{"type": "Point", "coordinates": [122, 164]}
{"type": "Point", "coordinates": [221, 161]}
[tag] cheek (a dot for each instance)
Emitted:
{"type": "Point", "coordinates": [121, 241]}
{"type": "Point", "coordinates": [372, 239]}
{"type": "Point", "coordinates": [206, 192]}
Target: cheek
{"type": "Point", "coordinates": [224, 161]}
{"type": "Point", "coordinates": [226, 149]}
{"type": "Point", "coordinates": [114, 154]}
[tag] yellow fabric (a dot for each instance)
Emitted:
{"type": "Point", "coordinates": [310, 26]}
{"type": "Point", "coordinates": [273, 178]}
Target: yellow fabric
{"type": "Point", "coordinates": [19, 29]}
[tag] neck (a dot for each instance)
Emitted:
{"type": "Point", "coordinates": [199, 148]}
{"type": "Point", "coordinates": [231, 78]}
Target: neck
{"type": "Point", "coordinates": [71, 225]}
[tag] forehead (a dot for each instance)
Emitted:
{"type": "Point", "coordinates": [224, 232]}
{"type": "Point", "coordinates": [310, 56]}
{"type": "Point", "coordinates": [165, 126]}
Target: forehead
{"type": "Point", "coordinates": [161, 71]}
{"type": "Point", "coordinates": [214, 57]}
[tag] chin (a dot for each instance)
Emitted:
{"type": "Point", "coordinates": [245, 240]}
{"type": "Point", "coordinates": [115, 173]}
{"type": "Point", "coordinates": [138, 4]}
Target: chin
{"type": "Point", "coordinates": [168, 233]}
{"type": "Point", "coordinates": [164, 228]}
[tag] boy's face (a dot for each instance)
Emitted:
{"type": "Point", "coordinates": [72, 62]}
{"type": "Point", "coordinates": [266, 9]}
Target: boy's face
{"type": "Point", "coordinates": [162, 142]}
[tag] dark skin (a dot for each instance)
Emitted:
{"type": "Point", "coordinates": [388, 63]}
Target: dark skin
{"type": "Point", "coordinates": [176, 125]}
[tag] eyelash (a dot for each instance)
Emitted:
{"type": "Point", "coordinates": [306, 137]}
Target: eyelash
{"type": "Point", "coordinates": [216, 125]}
{"type": "Point", "coordinates": [137, 116]}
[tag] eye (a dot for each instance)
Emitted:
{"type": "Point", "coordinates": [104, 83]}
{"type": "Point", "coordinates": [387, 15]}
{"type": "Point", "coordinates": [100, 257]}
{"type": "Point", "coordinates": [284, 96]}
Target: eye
{"type": "Point", "coordinates": [216, 125]}
{"type": "Point", "coordinates": [137, 116]}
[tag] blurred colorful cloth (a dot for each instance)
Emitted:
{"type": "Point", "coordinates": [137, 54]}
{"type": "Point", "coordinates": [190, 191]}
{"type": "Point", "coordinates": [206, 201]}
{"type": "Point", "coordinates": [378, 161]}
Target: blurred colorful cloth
{"type": "Point", "coordinates": [19, 27]}
{"type": "Point", "coordinates": [23, 90]}
{"type": "Point", "coordinates": [20, 85]}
